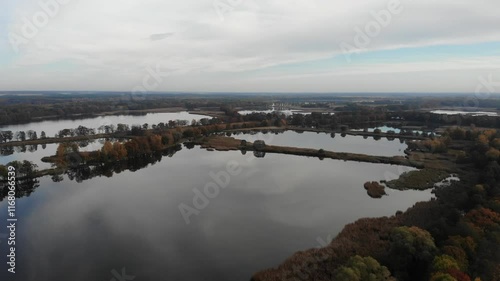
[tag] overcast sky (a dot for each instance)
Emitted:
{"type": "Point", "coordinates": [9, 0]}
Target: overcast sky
{"type": "Point", "coordinates": [250, 45]}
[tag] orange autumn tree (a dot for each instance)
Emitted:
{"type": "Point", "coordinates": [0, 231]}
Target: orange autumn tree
{"type": "Point", "coordinates": [119, 151]}
{"type": "Point", "coordinates": [113, 151]}
{"type": "Point", "coordinates": [458, 254]}
{"type": "Point", "coordinates": [155, 143]}
{"type": "Point", "coordinates": [63, 150]}
{"type": "Point", "coordinates": [483, 219]}
{"type": "Point", "coordinates": [493, 154]}
{"type": "Point", "coordinates": [107, 151]}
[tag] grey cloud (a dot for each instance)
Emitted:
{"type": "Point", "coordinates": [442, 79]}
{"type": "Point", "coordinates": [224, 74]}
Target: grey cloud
{"type": "Point", "coordinates": [210, 54]}
{"type": "Point", "coordinates": [160, 36]}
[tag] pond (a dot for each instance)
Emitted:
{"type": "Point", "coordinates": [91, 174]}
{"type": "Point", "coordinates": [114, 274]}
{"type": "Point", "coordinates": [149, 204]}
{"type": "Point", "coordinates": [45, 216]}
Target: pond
{"type": "Point", "coordinates": [339, 143]}
{"type": "Point", "coordinates": [52, 127]}
{"type": "Point", "coordinates": [472, 113]}
{"type": "Point", "coordinates": [287, 112]}
{"type": "Point", "coordinates": [266, 209]}
{"type": "Point", "coordinates": [273, 108]}
{"type": "Point", "coordinates": [385, 129]}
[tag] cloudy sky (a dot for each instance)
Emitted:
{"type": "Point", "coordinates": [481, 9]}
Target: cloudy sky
{"type": "Point", "coordinates": [250, 45]}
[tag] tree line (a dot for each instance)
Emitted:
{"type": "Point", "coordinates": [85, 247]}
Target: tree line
{"type": "Point", "coordinates": [8, 136]}
{"type": "Point", "coordinates": [17, 109]}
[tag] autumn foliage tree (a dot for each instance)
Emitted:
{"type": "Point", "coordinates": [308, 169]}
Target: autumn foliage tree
{"type": "Point", "coordinates": [65, 148]}
{"type": "Point", "coordinates": [483, 220]}
{"type": "Point", "coordinates": [155, 142]}
{"type": "Point", "coordinates": [436, 145]}
{"type": "Point", "coordinates": [445, 267]}
{"type": "Point", "coordinates": [493, 154]}
{"type": "Point", "coordinates": [113, 151]}
{"type": "Point", "coordinates": [363, 268]}
{"type": "Point", "coordinates": [411, 249]}
{"type": "Point", "coordinates": [107, 151]}
{"type": "Point", "coordinates": [458, 254]}
{"type": "Point", "coordinates": [119, 150]}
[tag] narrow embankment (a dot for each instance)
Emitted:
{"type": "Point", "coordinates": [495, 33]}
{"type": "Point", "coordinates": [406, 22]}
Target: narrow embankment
{"type": "Point", "coordinates": [227, 143]}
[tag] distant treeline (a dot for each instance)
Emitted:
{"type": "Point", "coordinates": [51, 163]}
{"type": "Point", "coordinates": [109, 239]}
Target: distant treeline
{"type": "Point", "coordinates": [17, 109]}
{"type": "Point", "coordinates": [361, 116]}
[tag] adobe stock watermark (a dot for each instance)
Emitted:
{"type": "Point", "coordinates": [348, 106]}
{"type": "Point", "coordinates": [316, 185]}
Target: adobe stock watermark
{"type": "Point", "coordinates": [363, 36]}
{"type": "Point", "coordinates": [3, 236]}
{"type": "Point", "coordinates": [297, 271]}
{"type": "Point", "coordinates": [48, 10]}
{"type": "Point", "coordinates": [484, 89]}
{"type": "Point", "coordinates": [220, 180]}
{"type": "Point", "coordinates": [123, 276]}
{"type": "Point", "coordinates": [324, 242]}
{"type": "Point", "coordinates": [151, 81]}
{"type": "Point", "coordinates": [211, 190]}
{"type": "Point", "coordinates": [224, 7]}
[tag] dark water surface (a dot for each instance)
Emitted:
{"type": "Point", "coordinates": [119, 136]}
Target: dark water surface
{"type": "Point", "coordinates": [271, 208]}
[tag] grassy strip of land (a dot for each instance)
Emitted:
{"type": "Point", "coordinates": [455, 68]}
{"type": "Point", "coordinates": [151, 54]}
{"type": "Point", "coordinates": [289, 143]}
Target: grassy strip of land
{"type": "Point", "coordinates": [420, 179]}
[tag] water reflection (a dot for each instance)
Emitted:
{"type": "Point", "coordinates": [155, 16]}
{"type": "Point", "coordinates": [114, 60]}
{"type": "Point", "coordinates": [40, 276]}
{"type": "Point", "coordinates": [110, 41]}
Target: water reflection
{"type": "Point", "coordinates": [24, 187]}
{"type": "Point", "coordinates": [82, 230]}
{"type": "Point", "coordinates": [79, 172]}
{"type": "Point", "coordinates": [33, 153]}
{"type": "Point", "coordinates": [259, 154]}
{"type": "Point", "coordinates": [457, 112]}
{"type": "Point", "coordinates": [286, 112]}
{"type": "Point", "coordinates": [345, 143]}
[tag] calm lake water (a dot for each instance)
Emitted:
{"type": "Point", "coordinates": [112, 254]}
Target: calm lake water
{"type": "Point", "coordinates": [51, 127]}
{"type": "Point", "coordinates": [32, 155]}
{"type": "Point", "coordinates": [273, 207]}
{"type": "Point", "coordinates": [385, 129]}
{"type": "Point", "coordinates": [286, 111]}
{"type": "Point", "coordinates": [473, 113]}
{"type": "Point", "coordinates": [353, 144]}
